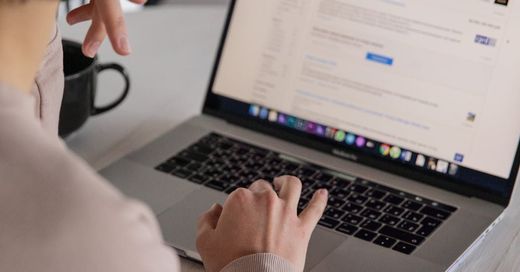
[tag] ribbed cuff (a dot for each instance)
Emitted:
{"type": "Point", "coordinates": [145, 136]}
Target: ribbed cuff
{"type": "Point", "coordinates": [261, 262]}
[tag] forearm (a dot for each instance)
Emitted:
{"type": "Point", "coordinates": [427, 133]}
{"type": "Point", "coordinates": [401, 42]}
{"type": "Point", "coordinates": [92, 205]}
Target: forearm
{"type": "Point", "coordinates": [25, 29]}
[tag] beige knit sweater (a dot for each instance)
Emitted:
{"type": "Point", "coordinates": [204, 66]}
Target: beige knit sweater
{"type": "Point", "coordinates": [56, 213]}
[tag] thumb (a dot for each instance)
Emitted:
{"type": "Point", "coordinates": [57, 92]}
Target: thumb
{"type": "Point", "coordinates": [209, 220]}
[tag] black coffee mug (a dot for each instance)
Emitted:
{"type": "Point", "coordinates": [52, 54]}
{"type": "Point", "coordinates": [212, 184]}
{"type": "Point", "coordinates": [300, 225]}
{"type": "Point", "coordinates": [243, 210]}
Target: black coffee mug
{"type": "Point", "coordinates": [79, 95]}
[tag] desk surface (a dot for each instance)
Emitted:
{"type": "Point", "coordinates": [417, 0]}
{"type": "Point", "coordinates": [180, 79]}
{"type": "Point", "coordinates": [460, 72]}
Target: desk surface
{"type": "Point", "coordinates": [173, 53]}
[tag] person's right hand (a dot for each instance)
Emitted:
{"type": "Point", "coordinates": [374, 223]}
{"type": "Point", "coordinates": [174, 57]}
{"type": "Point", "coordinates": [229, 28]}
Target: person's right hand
{"type": "Point", "coordinates": [107, 19]}
{"type": "Point", "coordinates": [258, 220]}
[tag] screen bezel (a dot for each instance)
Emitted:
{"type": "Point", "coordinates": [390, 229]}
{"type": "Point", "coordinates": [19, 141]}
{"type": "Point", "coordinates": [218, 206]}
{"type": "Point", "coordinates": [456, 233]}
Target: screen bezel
{"type": "Point", "coordinates": [226, 108]}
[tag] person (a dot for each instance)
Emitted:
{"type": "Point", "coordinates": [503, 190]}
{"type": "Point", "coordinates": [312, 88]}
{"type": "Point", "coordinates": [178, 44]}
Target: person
{"type": "Point", "coordinates": [57, 214]}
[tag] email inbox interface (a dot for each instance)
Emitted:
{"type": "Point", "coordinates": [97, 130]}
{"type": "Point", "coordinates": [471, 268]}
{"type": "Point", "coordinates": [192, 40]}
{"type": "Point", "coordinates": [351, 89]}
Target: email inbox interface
{"type": "Point", "coordinates": [437, 77]}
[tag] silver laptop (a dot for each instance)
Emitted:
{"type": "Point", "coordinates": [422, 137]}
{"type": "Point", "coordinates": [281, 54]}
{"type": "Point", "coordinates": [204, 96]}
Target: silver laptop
{"type": "Point", "coordinates": [408, 112]}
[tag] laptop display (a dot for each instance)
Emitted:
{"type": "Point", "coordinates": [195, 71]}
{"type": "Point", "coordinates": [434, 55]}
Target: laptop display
{"type": "Point", "coordinates": [431, 87]}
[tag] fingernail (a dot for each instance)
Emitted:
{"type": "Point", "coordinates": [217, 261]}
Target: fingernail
{"type": "Point", "coordinates": [323, 192]}
{"type": "Point", "coordinates": [92, 48]}
{"type": "Point", "coordinates": [124, 44]}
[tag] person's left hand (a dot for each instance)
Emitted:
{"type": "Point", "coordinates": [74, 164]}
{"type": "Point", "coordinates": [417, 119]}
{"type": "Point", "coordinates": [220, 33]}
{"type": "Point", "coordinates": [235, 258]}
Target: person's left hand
{"type": "Point", "coordinates": [107, 19]}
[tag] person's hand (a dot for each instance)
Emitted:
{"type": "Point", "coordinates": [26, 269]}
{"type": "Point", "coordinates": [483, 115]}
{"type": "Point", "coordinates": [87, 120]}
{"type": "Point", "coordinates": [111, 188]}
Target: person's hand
{"type": "Point", "coordinates": [258, 220]}
{"type": "Point", "coordinates": [107, 19]}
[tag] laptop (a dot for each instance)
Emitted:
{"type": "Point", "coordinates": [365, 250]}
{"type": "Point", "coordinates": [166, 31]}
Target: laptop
{"type": "Point", "coordinates": [408, 112]}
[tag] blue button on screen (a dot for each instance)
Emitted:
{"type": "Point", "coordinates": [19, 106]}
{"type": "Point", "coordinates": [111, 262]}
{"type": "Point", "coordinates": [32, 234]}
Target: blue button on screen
{"type": "Point", "coordinates": [380, 59]}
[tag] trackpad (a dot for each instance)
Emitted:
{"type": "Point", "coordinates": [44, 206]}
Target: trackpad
{"type": "Point", "coordinates": [179, 222]}
{"type": "Point", "coordinates": [358, 255]}
{"type": "Point", "coordinates": [322, 243]}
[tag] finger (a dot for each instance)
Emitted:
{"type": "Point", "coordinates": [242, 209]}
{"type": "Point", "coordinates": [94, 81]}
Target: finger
{"type": "Point", "coordinates": [289, 189]}
{"type": "Point", "coordinates": [111, 13]}
{"type": "Point", "coordinates": [314, 210]}
{"type": "Point", "coordinates": [261, 186]}
{"type": "Point", "coordinates": [209, 220]}
{"type": "Point", "coordinates": [81, 14]}
{"type": "Point", "coordinates": [95, 36]}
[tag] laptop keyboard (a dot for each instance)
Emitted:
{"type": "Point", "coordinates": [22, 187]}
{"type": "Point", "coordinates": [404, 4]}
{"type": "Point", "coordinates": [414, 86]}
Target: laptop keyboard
{"type": "Point", "coordinates": [357, 207]}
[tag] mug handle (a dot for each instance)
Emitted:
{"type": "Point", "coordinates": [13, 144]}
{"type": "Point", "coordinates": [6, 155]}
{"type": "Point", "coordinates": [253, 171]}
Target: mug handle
{"type": "Point", "coordinates": [126, 77]}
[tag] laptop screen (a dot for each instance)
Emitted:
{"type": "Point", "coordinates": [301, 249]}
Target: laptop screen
{"type": "Point", "coordinates": [431, 85]}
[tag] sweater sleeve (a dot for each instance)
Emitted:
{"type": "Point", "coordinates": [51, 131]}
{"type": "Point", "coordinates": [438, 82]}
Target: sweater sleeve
{"type": "Point", "coordinates": [261, 262]}
{"type": "Point", "coordinates": [57, 214]}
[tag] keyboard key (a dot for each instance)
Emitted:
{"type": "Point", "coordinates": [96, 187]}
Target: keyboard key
{"type": "Point", "coordinates": [211, 173]}
{"type": "Point", "coordinates": [328, 222]}
{"type": "Point", "coordinates": [431, 222]}
{"type": "Point", "coordinates": [179, 161]}
{"type": "Point", "coordinates": [289, 166]}
{"type": "Point", "coordinates": [374, 193]}
{"type": "Point", "coordinates": [334, 213]}
{"type": "Point", "coordinates": [230, 178]}
{"type": "Point", "coordinates": [249, 175]}
{"type": "Point", "coordinates": [307, 182]}
{"type": "Point", "coordinates": [339, 182]}
{"type": "Point", "coordinates": [351, 207]}
{"type": "Point", "coordinates": [166, 167]}
{"type": "Point", "coordinates": [217, 185]}
{"type": "Point", "coordinates": [367, 183]}
{"type": "Point", "coordinates": [393, 210]}
{"type": "Point", "coordinates": [387, 189]}
{"type": "Point", "coordinates": [352, 219]}
{"type": "Point", "coordinates": [358, 199]}
{"type": "Point", "coordinates": [202, 149]}
{"type": "Point", "coordinates": [375, 204]}
{"type": "Point", "coordinates": [371, 225]}
{"type": "Point", "coordinates": [210, 139]}
{"type": "Point", "coordinates": [242, 151]}
{"type": "Point", "coordinates": [304, 172]}
{"type": "Point", "coordinates": [340, 193]}
{"type": "Point", "coordinates": [385, 241]}
{"type": "Point", "coordinates": [304, 201]}
{"type": "Point", "coordinates": [347, 229]}
{"type": "Point", "coordinates": [412, 216]}
{"type": "Point", "coordinates": [358, 188]}
{"type": "Point", "coordinates": [275, 162]}
{"type": "Point", "coordinates": [336, 202]}
{"type": "Point", "coordinates": [371, 214]}
{"type": "Point", "coordinates": [408, 226]}
{"type": "Point", "coordinates": [393, 199]}
{"type": "Point", "coordinates": [401, 235]}
{"type": "Point", "coordinates": [192, 156]}
{"type": "Point", "coordinates": [404, 248]}
{"type": "Point", "coordinates": [365, 235]}
{"type": "Point", "coordinates": [323, 177]}
{"type": "Point", "coordinates": [225, 145]}
{"type": "Point", "coordinates": [412, 205]}
{"type": "Point", "coordinates": [426, 231]}
{"type": "Point", "coordinates": [436, 213]}
{"type": "Point", "coordinates": [445, 207]}
{"type": "Point", "coordinates": [181, 173]}
{"type": "Point", "coordinates": [389, 220]}
{"type": "Point", "coordinates": [194, 166]}
{"type": "Point", "coordinates": [318, 186]}
{"type": "Point", "coordinates": [199, 179]}
{"type": "Point", "coordinates": [261, 151]}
